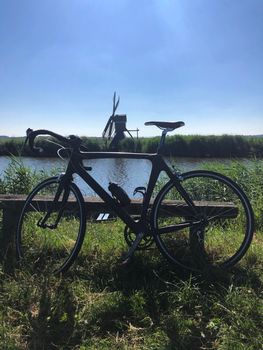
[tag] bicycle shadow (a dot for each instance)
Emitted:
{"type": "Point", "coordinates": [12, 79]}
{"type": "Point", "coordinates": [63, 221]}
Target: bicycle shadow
{"type": "Point", "coordinates": [167, 293]}
{"type": "Point", "coordinates": [52, 320]}
{"type": "Point", "coordinates": [54, 324]}
{"type": "Point", "coordinates": [156, 273]}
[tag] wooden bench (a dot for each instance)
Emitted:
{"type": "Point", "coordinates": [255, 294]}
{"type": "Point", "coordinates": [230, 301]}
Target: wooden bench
{"type": "Point", "coordinates": [11, 206]}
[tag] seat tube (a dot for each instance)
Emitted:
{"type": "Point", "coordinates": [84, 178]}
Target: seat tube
{"type": "Point", "coordinates": [157, 167]}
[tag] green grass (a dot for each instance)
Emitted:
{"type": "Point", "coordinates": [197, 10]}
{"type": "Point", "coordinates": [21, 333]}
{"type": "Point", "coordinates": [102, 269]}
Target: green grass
{"type": "Point", "coordinates": [147, 305]}
{"type": "Point", "coordinates": [99, 304]}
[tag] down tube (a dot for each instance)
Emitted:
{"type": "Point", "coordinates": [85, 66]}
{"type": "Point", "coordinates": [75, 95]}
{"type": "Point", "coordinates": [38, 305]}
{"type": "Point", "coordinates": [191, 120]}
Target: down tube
{"type": "Point", "coordinates": [176, 181]}
{"type": "Point", "coordinates": [137, 227]}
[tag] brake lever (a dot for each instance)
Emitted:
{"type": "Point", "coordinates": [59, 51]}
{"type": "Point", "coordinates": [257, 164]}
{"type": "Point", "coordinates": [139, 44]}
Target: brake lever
{"type": "Point", "coordinates": [36, 150]}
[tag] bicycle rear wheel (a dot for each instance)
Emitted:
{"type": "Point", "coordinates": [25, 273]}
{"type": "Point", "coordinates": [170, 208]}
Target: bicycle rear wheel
{"type": "Point", "coordinates": [50, 236]}
{"type": "Point", "coordinates": [218, 233]}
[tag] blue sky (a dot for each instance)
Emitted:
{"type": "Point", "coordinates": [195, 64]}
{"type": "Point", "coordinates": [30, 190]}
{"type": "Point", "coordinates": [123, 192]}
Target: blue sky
{"type": "Point", "coordinates": [200, 61]}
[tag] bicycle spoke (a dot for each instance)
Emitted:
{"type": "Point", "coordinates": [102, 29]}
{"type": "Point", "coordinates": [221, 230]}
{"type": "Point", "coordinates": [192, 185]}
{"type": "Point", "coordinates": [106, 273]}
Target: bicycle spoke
{"type": "Point", "coordinates": [220, 231]}
{"type": "Point", "coordinates": [50, 245]}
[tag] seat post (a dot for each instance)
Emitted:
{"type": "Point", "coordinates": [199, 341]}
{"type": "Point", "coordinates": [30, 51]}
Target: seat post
{"type": "Point", "coordinates": [161, 143]}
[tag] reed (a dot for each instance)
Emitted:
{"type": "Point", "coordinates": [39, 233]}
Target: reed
{"type": "Point", "coordinates": [176, 145]}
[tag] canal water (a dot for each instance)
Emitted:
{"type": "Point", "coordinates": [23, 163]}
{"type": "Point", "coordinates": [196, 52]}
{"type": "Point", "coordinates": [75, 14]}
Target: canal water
{"type": "Point", "coordinates": [128, 173]}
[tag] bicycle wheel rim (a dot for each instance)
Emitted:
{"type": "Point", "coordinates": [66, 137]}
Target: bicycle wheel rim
{"type": "Point", "coordinates": [221, 242]}
{"type": "Point", "coordinates": [46, 249]}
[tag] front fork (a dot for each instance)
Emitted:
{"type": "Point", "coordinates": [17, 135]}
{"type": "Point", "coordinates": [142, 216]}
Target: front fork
{"type": "Point", "coordinates": [56, 206]}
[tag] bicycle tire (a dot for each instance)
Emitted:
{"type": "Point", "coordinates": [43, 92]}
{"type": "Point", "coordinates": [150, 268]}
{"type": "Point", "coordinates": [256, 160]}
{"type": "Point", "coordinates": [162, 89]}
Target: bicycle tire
{"type": "Point", "coordinates": [51, 249]}
{"type": "Point", "coordinates": [216, 243]}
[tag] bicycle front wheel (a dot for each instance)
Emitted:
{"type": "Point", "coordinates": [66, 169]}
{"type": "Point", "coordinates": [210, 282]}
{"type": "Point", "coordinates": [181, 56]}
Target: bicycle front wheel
{"type": "Point", "coordinates": [49, 236]}
{"type": "Point", "coordinates": [217, 232]}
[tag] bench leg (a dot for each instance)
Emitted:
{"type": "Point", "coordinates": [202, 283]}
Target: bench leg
{"type": "Point", "coordinates": [7, 239]}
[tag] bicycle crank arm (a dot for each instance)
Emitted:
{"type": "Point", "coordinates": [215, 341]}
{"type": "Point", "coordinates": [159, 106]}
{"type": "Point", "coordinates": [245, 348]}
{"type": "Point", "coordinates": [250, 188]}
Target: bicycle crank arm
{"type": "Point", "coordinates": [133, 247]}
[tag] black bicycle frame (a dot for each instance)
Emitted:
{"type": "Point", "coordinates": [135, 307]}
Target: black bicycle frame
{"type": "Point", "coordinates": [76, 166]}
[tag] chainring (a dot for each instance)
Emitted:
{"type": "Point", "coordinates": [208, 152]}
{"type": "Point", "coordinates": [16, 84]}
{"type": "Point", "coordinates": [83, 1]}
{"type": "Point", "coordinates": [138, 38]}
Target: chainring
{"type": "Point", "coordinates": [130, 236]}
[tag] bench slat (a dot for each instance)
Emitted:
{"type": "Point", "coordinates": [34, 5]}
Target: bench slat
{"type": "Point", "coordinates": [95, 204]}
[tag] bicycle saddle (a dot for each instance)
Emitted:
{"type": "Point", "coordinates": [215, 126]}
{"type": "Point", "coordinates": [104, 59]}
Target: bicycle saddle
{"type": "Point", "coordinates": [166, 125]}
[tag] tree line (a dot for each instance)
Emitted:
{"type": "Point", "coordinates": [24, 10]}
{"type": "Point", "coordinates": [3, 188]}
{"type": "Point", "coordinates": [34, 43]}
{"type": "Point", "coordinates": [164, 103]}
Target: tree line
{"type": "Point", "coordinates": [229, 146]}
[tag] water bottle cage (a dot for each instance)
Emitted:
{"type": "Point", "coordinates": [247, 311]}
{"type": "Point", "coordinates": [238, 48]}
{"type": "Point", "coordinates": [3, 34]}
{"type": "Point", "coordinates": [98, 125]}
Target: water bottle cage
{"type": "Point", "coordinates": [141, 190]}
{"type": "Point", "coordinates": [119, 194]}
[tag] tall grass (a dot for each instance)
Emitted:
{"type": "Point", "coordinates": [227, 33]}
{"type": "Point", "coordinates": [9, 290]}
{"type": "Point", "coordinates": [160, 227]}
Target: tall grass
{"type": "Point", "coordinates": [249, 178]}
{"type": "Point", "coordinates": [176, 146]}
{"type": "Point", "coordinates": [147, 305]}
{"type": "Point", "coordinates": [18, 178]}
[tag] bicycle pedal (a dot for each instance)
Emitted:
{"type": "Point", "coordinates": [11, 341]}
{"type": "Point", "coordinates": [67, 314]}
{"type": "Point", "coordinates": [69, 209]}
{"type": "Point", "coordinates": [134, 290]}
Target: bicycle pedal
{"type": "Point", "coordinates": [125, 262]}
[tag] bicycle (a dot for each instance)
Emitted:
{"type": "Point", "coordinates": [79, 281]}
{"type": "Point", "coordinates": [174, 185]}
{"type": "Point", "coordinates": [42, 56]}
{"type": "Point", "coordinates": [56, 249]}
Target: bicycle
{"type": "Point", "coordinates": [198, 217]}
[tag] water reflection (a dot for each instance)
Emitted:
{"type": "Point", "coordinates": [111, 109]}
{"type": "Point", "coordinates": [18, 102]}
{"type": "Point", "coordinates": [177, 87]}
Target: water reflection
{"type": "Point", "coordinates": [128, 173]}
{"type": "Point", "coordinates": [118, 172]}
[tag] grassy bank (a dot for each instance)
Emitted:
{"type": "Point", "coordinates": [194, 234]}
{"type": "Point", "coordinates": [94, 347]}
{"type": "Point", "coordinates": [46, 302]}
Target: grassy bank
{"type": "Point", "coordinates": [176, 146]}
{"type": "Point", "coordinates": [148, 305]}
